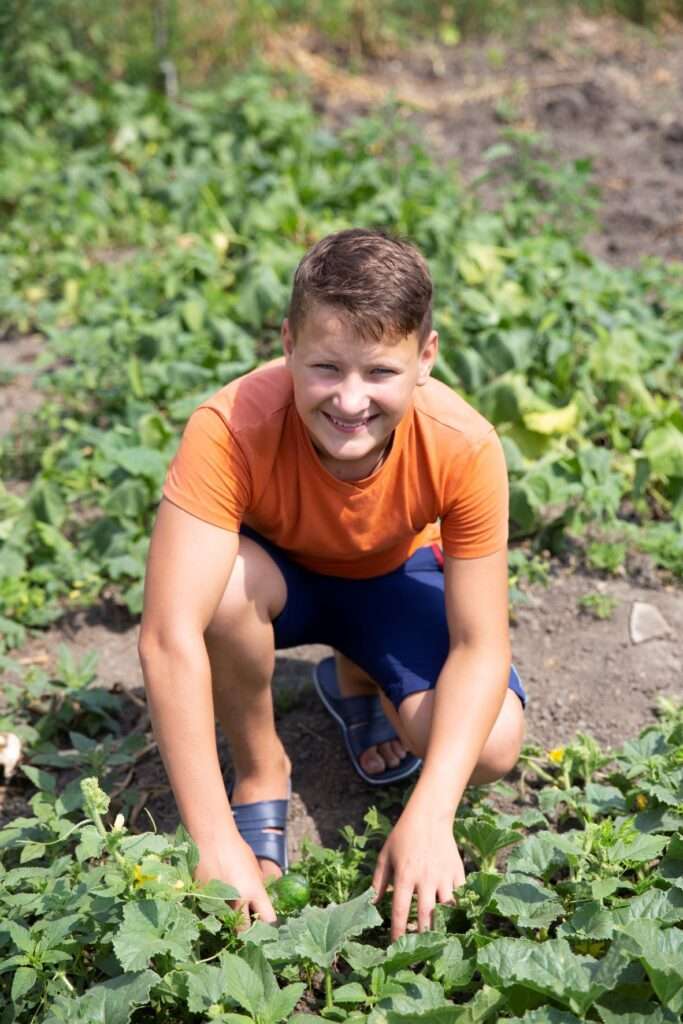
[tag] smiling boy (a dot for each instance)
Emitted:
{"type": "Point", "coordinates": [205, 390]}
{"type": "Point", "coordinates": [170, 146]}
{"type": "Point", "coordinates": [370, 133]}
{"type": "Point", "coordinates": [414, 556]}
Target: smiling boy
{"type": "Point", "coordinates": [340, 495]}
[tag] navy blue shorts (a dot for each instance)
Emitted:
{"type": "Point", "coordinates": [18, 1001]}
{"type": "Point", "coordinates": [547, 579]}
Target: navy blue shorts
{"type": "Point", "coordinates": [393, 626]}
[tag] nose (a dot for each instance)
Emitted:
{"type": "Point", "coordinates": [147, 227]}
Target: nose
{"type": "Point", "coordinates": [351, 398]}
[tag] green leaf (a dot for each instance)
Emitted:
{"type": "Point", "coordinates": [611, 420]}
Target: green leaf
{"type": "Point", "coordinates": [660, 950]}
{"type": "Point", "coordinates": [663, 448]}
{"type": "Point", "coordinates": [353, 992]}
{"type": "Point", "coordinates": [551, 969]}
{"type": "Point", "coordinates": [451, 969]}
{"type": "Point", "coordinates": [638, 849]}
{"type": "Point", "coordinates": [546, 1015]}
{"type": "Point", "coordinates": [486, 1002]}
{"type": "Point", "coordinates": [552, 421]}
{"type": "Point", "coordinates": [645, 1013]}
{"type": "Point", "coordinates": [44, 781]}
{"type": "Point", "coordinates": [537, 855]}
{"type": "Point", "coordinates": [192, 313]}
{"type": "Point", "coordinates": [250, 981]}
{"type": "Point", "coordinates": [419, 994]}
{"type": "Point", "coordinates": [21, 937]}
{"type": "Point", "coordinates": [151, 928]}
{"type": "Point", "coordinates": [486, 838]}
{"type": "Point", "coordinates": [112, 1002]}
{"type": "Point", "coordinates": [145, 462]}
{"type": "Point", "coordinates": [653, 905]}
{"type": "Point", "coordinates": [412, 949]}
{"type": "Point", "coordinates": [23, 981]}
{"type": "Point", "coordinates": [435, 1015]}
{"type": "Point", "coordinates": [362, 958]}
{"type": "Point", "coordinates": [528, 904]}
{"type": "Point", "coordinates": [318, 935]}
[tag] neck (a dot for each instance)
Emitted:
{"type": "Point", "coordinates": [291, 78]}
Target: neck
{"type": "Point", "coordinates": [357, 470]}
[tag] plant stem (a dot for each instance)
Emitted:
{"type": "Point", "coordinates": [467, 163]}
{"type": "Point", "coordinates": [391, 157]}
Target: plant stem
{"type": "Point", "coordinates": [329, 1001]}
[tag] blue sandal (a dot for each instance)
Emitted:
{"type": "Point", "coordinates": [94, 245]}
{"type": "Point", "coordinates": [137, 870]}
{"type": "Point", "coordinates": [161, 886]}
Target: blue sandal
{"type": "Point", "coordinates": [363, 724]}
{"type": "Point", "coordinates": [253, 819]}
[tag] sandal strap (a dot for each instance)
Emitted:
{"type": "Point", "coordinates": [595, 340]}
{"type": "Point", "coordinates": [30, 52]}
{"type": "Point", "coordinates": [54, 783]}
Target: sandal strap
{"type": "Point", "coordinates": [252, 820]}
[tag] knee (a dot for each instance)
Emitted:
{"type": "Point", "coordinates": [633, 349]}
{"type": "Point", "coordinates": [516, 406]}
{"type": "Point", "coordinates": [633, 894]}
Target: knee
{"type": "Point", "coordinates": [256, 591]}
{"type": "Point", "coordinates": [503, 747]}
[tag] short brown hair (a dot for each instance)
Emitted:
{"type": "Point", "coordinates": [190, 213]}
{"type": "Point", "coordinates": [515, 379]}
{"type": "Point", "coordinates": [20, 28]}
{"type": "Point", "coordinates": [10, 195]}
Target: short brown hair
{"type": "Point", "coordinates": [379, 283]}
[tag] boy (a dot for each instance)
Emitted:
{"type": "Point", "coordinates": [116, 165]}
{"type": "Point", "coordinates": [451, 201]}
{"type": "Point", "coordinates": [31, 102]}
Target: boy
{"type": "Point", "coordinates": [307, 503]}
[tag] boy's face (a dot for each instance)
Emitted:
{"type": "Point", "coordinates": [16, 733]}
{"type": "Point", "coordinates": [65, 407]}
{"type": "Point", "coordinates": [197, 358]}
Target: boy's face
{"type": "Point", "coordinates": [351, 393]}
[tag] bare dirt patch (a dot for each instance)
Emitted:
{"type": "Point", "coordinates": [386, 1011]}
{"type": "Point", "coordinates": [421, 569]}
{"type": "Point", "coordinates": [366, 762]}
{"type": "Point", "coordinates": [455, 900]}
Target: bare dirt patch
{"type": "Point", "coordinates": [17, 391]}
{"type": "Point", "coordinates": [593, 88]}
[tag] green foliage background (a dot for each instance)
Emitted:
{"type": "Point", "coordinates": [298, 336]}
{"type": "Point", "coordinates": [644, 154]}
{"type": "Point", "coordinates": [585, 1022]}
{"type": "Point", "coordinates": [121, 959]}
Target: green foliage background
{"type": "Point", "coordinates": [152, 242]}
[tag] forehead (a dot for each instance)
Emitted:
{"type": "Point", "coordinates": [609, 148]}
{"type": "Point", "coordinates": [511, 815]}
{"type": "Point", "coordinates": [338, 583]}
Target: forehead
{"type": "Point", "coordinates": [325, 331]}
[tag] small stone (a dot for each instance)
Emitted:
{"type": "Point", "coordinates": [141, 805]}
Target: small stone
{"type": "Point", "coordinates": [10, 753]}
{"type": "Point", "coordinates": [646, 623]}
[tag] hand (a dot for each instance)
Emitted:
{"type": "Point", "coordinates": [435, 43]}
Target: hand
{"type": "Point", "coordinates": [420, 856]}
{"type": "Point", "coordinates": [236, 865]}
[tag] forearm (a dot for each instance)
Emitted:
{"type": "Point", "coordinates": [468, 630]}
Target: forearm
{"type": "Point", "coordinates": [178, 685]}
{"type": "Point", "coordinates": [469, 695]}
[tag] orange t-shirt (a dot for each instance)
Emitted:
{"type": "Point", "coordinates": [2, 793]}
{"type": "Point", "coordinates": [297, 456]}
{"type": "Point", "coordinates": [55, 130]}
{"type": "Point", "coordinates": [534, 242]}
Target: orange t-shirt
{"type": "Point", "coordinates": [246, 457]}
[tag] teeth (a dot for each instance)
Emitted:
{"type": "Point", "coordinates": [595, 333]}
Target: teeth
{"type": "Point", "coordinates": [348, 423]}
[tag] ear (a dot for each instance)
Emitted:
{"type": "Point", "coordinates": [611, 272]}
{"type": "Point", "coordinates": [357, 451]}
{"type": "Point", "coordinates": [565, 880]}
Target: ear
{"type": "Point", "coordinates": [287, 341]}
{"type": "Point", "coordinates": [427, 358]}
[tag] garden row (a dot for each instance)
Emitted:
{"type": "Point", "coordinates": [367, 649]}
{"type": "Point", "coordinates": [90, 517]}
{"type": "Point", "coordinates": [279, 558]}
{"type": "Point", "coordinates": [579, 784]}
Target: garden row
{"type": "Point", "coordinates": [572, 909]}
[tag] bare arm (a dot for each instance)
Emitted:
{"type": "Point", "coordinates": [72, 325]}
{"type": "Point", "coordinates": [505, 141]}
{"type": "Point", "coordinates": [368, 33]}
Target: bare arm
{"type": "Point", "coordinates": [189, 564]}
{"type": "Point", "coordinates": [420, 855]}
{"type": "Point", "coordinates": [473, 681]}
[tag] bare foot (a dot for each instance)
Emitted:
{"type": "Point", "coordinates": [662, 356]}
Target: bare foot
{"type": "Point", "coordinates": [354, 682]}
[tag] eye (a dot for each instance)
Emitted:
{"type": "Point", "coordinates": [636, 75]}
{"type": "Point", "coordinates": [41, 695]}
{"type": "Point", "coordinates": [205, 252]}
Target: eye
{"type": "Point", "coordinates": [383, 371]}
{"type": "Point", "coordinates": [324, 366]}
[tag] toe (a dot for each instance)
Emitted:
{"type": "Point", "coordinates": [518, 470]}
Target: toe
{"type": "Point", "coordinates": [398, 749]}
{"type": "Point", "coordinates": [389, 755]}
{"type": "Point", "coordinates": [371, 761]}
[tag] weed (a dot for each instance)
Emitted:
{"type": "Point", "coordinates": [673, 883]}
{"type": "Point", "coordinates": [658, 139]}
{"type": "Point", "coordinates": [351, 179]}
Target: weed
{"type": "Point", "coordinates": [599, 605]}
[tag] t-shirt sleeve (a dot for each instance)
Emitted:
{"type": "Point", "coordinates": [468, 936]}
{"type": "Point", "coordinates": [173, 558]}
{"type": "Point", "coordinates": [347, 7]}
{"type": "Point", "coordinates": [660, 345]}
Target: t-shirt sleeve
{"type": "Point", "coordinates": [209, 476]}
{"type": "Point", "coordinates": [475, 523]}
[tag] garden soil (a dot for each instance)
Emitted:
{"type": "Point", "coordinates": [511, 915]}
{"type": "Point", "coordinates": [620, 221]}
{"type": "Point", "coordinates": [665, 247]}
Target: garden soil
{"type": "Point", "coordinates": [594, 88]}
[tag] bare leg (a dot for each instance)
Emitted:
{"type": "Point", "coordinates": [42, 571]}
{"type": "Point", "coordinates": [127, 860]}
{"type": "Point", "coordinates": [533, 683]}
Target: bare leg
{"type": "Point", "coordinates": [354, 682]}
{"type": "Point", "coordinates": [241, 650]}
{"type": "Point", "coordinates": [501, 750]}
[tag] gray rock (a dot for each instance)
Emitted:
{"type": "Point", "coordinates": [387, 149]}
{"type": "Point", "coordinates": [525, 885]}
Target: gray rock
{"type": "Point", "coordinates": [646, 623]}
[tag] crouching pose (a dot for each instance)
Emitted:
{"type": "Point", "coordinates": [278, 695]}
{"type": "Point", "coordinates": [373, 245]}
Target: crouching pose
{"type": "Point", "coordinates": [337, 495]}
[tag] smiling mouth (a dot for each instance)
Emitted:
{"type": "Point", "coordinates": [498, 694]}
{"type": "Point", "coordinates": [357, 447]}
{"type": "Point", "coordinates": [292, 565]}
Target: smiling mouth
{"type": "Point", "coordinates": [349, 426]}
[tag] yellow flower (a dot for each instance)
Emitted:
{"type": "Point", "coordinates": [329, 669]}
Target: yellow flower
{"type": "Point", "coordinates": [641, 801]}
{"type": "Point", "coordinates": [139, 878]}
{"type": "Point", "coordinates": [556, 755]}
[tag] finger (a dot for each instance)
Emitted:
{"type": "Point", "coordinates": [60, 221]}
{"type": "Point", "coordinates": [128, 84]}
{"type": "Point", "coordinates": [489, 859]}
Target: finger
{"type": "Point", "coordinates": [381, 877]}
{"type": "Point", "coordinates": [264, 909]}
{"type": "Point", "coordinates": [425, 906]}
{"type": "Point", "coordinates": [400, 909]}
{"type": "Point", "coordinates": [244, 920]}
{"type": "Point", "coordinates": [445, 895]}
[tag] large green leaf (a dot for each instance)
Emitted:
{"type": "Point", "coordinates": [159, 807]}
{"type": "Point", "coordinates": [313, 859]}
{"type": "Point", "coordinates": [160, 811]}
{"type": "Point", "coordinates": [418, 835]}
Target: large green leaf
{"type": "Point", "coordinates": [318, 934]}
{"type": "Point", "coordinates": [551, 969]}
{"type": "Point", "coordinates": [527, 903]}
{"type": "Point", "coordinates": [660, 950]}
{"type": "Point", "coordinates": [112, 1002]}
{"type": "Point", "coordinates": [152, 927]}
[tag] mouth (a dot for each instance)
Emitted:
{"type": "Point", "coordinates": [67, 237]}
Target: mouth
{"type": "Point", "coordinates": [354, 426]}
